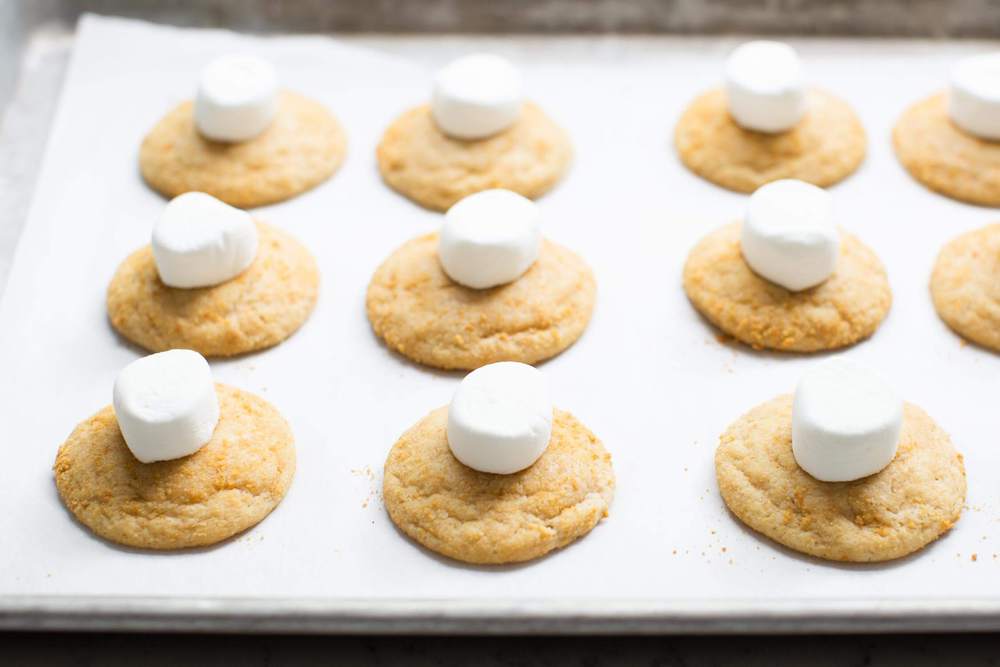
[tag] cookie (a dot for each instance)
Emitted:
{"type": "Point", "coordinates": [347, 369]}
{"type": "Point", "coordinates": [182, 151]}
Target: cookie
{"type": "Point", "coordinates": [914, 500]}
{"type": "Point", "coordinates": [303, 147]}
{"type": "Point", "coordinates": [965, 286]}
{"type": "Point", "coordinates": [480, 517]}
{"type": "Point", "coordinates": [257, 309]}
{"type": "Point", "coordinates": [227, 486]}
{"type": "Point", "coordinates": [421, 162]}
{"type": "Point", "coordinates": [825, 147]}
{"type": "Point", "coordinates": [943, 157]}
{"type": "Point", "coordinates": [424, 315]}
{"type": "Point", "coordinates": [846, 308]}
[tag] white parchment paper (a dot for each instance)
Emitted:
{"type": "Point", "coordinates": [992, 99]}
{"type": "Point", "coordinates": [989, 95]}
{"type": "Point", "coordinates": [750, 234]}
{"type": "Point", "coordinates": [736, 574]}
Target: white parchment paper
{"type": "Point", "coordinates": [648, 377]}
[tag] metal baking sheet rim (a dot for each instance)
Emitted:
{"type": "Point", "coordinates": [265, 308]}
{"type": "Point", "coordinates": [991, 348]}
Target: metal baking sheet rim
{"type": "Point", "coordinates": [317, 616]}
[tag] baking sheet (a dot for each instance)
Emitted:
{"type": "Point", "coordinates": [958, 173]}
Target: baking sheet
{"type": "Point", "coordinates": [649, 376]}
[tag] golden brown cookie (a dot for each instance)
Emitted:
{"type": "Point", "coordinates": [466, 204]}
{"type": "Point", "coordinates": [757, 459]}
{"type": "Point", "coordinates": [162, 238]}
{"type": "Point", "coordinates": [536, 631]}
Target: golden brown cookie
{"type": "Point", "coordinates": [423, 314]}
{"type": "Point", "coordinates": [846, 308]}
{"type": "Point", "coordinates": [480, 517]}
{"type": "Point", "coordinates": [227, 486]}
{"type": "Point", "coordinates": [303, 147]}
{"type": "Point", "coordinates": [259, 308]}
{"type": "Point", "coordinates": [943, 157]}
{"type": "Point", "coordinates": [421, 162]}
{"type": "Point", "coordinates": [907, 505]}
{"type": "Point", "coordinates": [825, 147]}
{"type": "Point", "coordinates": [965, 286]}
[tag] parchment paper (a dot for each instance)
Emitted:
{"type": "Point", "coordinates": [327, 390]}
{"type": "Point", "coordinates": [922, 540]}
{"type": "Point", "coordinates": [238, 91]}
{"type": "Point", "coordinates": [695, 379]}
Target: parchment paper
{"type": "Point", "coordinates": [648, 377]}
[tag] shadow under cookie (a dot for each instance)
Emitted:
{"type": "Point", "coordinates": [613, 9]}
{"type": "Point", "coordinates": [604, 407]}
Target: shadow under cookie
{"type": "Point", "coordinates": [224, 488]}
{"type": "Point", "coordinates": [483, 518]}
{"type": "Point", "coordinates": [848, 307]}
{"type": "Point", "coordinates": [826, 146]}
{"type": "Point", "coordinates": [422, 163]}
{"type": "Point", "coordinates": [424, 315]}
{"type": "Point", "coordinates": [965, 286]}
{"type": "Point", "coordinates": [257, 309]}
{"type": "Point", "coordinates": [914, 500]}
{"type": "Point", "coordinates": [303, 147]}
{"type": "Point", "coordinates": [944, 158]}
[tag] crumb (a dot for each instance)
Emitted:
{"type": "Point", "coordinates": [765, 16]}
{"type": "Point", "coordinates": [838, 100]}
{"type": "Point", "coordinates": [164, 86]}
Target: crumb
{"type": "Point", "coordinates": [975, 557]}
{"type": "Point", "coordinates": [675, 553]}
{"type": "Point", "coordinates": [724, 549]}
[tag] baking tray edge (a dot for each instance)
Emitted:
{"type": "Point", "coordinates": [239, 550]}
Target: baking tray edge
{"type": "Point", "coordinates": [319, 616]}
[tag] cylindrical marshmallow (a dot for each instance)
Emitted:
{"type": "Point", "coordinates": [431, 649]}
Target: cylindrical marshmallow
{"type": "Point", "coordinates": [166, 405]}
{"type": "Point", "coordinates": [200, 241]}
{"type": "Point", "coordinates": [490, 238]}
{"type": "Point", "coordinates": [237, 98]}
{"type": "Point", "coordinates": [846, 422]}
{"type": "Point", "coordinates": [500, 419]}
{"type": "Point", "coordinates": [764, 86]}
{"type": "Point", "coordinates": [789, 236]}
{"type": "Point", "coordinates": [476, 96]}
{"type": "Point", "coordinates": [974, 100]}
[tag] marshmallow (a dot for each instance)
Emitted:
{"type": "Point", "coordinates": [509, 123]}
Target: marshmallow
{"type": "Point", "coordinates": [846, 422]}
{"type": "Point", "coordinates": [166, 405]}
{"type": "Point", "coordinates": [974, 102]}
{"type": "Point", "coordinates": [500, 418]}
{"type": "Point", "coordinates": [200, 241]}
{"type": "Point", "coordinates": [490, 238]}
{"type": "Point", "coordinates": [476, 96]}
{"type": "Point", "coordinates": [788, 235]}
{"type": "Point", "coordinates": [764, 86]}
{"type": "Point", "coordinates": [237, 98]}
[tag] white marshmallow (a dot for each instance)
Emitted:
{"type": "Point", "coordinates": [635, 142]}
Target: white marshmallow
{"type": "Point", "coordinates": [490, 238]}
{"type": "Point", "coordinates": [974, 101]}
{"type": "Point", "coordinates": [476, 96]}
{"type": "Point", "coordinates": [237, 98]}
{"type": "Point", "coordinates": [789, 236]}
{"type": "Point", "coordinates": [500, 418]}
{"type": "Point", "coordinates": [846, 422]}
{"type": "Point", "coordinates": [200, 241]}
{"type": "Point", "coordinates": [166, 405]}
{"type": "Point", "coordinates": [764, 86]}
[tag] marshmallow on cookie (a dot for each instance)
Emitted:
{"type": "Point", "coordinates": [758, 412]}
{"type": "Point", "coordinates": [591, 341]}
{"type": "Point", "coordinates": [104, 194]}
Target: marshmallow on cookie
{"type": "Point", "coordinates": [846, 422]}
{"type": "Point", "coordinates": [476, 96]}
{"type": "Point", "coordinates": [500, 418]}
{"type": "Point", "coordinates": [237, 98]}
{"type": "Point", "coordinates": [200, 241]}
{"type": "Point", "coordinates": [789, 235]}
{"type": "Point", "coordinates": [166, 405]}
{"type": "Point", "coordinates": [764, 86]}
{"type": "Point", "coordinates": [490, 238]}
{"type": "Point", "coordinates": [974, 97]}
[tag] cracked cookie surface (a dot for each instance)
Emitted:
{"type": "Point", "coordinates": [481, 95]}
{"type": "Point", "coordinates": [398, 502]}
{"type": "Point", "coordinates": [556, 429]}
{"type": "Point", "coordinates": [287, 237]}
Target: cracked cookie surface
{"type": "Point", "coordinates": [259, 308]}
{"type": "Point", "coordinates": [910, 503]}
{"type": "Point", "coordinates": [227, 486]}
{"type": "Point", "coordinates": [825, 147]}
{"type": "Point", "coordinates": [945, 159]}
{"type": "Point", "coordinates": [484, 518]}
{"type": "Point", "coordinates": [965, 286]}
{"type": "Point", "coordinates": [422, 163]}
{"type": "Point", "coordinates": [303, 146]}
{"type": "Point", "coordinates": [424, 315]}
{"type": "Point", "coordinates": [846, 308]}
